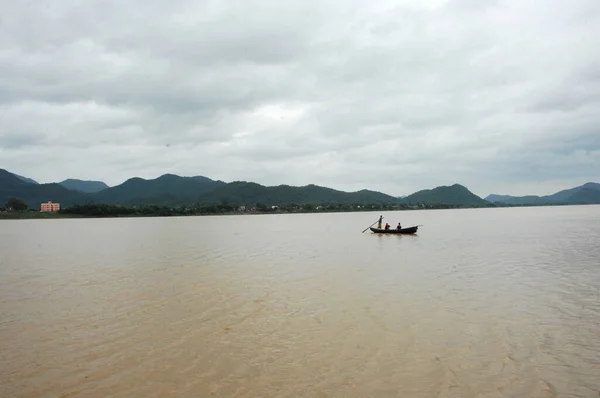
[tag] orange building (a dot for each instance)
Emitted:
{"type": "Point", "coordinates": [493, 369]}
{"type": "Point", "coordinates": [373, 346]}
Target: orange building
{"type": "Point", "coordinates": [50, 206]}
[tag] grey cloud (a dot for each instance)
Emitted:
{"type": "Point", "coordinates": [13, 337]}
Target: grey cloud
{"type": "Point", "coordinates": [471, 5]}
{"type": "Point", "coordinates": [580, 89]}
{"type": "Point", "coordinates": [388, 95]}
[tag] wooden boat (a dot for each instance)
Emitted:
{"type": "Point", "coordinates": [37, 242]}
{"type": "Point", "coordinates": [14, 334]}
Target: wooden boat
{"type": "Point", "coordinates": [405, 231]}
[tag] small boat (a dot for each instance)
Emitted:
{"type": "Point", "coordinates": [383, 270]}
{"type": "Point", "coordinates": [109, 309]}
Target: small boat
{"type": "Point", "coordinates": [405, 231]}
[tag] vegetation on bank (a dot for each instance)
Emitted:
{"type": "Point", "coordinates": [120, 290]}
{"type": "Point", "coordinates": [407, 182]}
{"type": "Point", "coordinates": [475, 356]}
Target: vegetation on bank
{"type": "Point", "coordinates": [102, 210]}
{"type": "Point", "coordinates": [15, 204]}
{"type": "Point", "coordinates": [105, 210]}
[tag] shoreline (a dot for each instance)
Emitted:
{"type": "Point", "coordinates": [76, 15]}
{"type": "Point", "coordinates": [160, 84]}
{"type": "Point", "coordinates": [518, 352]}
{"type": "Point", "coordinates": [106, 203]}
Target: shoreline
{"type": "Point", "coordinates": [36, 215]}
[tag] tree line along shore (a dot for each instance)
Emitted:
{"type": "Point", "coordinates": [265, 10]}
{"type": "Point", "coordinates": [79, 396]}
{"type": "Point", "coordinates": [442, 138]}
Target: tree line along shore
{"type": "Point", "coordinates": [106, 210]}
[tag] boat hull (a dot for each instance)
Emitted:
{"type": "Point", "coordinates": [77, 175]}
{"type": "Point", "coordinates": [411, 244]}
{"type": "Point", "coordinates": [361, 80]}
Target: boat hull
{"type": "Point", "coordinates": [403, 231]}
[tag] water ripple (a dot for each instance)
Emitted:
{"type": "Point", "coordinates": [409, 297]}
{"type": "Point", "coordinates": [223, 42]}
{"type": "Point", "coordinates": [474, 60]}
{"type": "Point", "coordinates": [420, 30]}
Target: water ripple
{"type": "Point", "coordinates": [303, 305]}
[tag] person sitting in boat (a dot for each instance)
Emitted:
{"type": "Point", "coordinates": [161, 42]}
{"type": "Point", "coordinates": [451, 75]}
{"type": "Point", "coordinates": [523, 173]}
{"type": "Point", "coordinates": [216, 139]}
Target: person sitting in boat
{"type": "Point", "coordinates": [387, 226]}
{"type": "Point", "coordinates": [399, 226]}
{"type": "Point", "coordinates": [380, 220]}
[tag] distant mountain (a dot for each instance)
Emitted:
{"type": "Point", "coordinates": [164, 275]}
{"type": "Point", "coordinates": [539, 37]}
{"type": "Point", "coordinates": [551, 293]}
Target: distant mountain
{"type": "Point", "coordinates": [242, 192]}
{"type": "Point", "coordinates": [497, 198]}
{"type": "Point", "coordinates": [202, 179]}
{"type": "Point", "coordinates": [10, 180]}
{"type": "Point", "coordinates": [507, 199]}
{"type": "Point", "coordinates": [588, 193]}
{"type": "Point", "coordinates": [168, 190]}
{"type": "Point", "coordinates": [29, 180]}
{"type": "Point", "coordinates": [83, 186]}
{"type": "Point", "coordinates": [33, 194]}
{"type": "Point", "coordinates": [448, 195]}
{"type": "Point", "coordinates": [173, 190]}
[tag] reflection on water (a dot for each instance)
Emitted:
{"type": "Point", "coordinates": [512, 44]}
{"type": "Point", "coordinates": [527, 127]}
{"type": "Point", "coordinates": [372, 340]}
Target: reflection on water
{"type": "Point", "coordinates": [482, 303]}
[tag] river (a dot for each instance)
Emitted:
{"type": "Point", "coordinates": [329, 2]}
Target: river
{"type": "Point", "coordinates": [480, 303]}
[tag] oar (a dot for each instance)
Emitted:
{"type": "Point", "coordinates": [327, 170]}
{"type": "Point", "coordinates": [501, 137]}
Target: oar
{"type": "Point", "coordinates": [369, 226]}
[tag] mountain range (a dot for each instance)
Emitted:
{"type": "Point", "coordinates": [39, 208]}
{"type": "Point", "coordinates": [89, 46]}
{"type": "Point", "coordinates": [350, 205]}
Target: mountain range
{"type": "Point", "coordinates": [72, 184]}
{"type": "Point", "coordinates": [83, 186]}
{"type": "Point", "coordinates": [455, 195]}
{"type": "Point", "coordinates": [588, 193]}
{"type": "Point", "coordinates": [173, 190]}
{"type": "Point", "coordinates": [33, 193]}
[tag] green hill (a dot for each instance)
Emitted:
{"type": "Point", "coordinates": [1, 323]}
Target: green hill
{"type": "Point", "coordinates": [588, 193]}
{"type": "Point", "coordinates": [497, 198]}
{"type": "Point", "coordinates": [33, 194]}
{"type": "Point", "coordinates": [173, 190]}
{"type": "Point", "coordinates": [521, 200]}
{"type": "Point", "coordinates": [242, 192]}
{"type": "Point", "coordinates": [168, 189]}
{"type": "Point", "coordinates": [454, 195]}
{"type": "Point", "coordinates": [83, 186]}
{"type": "Point", "coordinates": [29, 180]}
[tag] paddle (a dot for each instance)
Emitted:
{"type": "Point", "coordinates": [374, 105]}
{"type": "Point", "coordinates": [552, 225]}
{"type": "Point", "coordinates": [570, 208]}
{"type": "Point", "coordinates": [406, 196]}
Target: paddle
{"type": "Point", "coordinates": [369, 226]}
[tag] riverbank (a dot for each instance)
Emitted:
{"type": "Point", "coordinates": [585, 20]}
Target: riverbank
{"type": "Point", "coordinates": [50, 216]}
{"type": "Point", "coordinates": [31, 215]}
{"type": "Point", "coordinates": [112, 211]}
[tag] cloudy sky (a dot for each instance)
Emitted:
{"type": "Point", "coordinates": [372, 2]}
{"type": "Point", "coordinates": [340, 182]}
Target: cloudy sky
{"type": "Point", "coordinates": [502, 96]}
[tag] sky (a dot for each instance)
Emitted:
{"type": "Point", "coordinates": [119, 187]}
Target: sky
{"type": "Point", "coordinates": [502, 96]}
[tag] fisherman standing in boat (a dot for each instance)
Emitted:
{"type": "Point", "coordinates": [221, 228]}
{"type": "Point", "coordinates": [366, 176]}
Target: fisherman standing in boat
{"type": "Point", "coordinates": [380, 221]}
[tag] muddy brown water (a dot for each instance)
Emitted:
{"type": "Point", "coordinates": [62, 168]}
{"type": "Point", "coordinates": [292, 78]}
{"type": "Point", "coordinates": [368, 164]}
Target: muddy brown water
{"type": "Point", "coordinates": [481, 303]}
